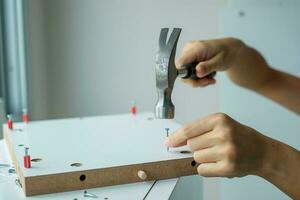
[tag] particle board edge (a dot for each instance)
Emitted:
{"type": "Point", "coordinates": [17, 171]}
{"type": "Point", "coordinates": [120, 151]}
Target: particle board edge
{"type": "Point", "coordinates": [53, 183]}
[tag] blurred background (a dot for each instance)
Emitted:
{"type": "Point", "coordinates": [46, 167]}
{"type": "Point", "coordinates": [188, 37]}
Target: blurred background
{"type": "Point", "coordinates": [71, 58]}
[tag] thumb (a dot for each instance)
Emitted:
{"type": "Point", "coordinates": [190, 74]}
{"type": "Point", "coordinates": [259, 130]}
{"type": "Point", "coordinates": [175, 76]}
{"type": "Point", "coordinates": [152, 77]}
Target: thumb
{"type": "Point", "coordinates": [206, 67]}
{"type": "Point", "coordinates": [190, 55]}
{"type": "Point", "coordinates": [186, 57]}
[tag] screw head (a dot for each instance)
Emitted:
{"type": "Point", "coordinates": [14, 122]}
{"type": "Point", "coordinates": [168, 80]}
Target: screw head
{"type": "Point", "coordinates": [26, 150]}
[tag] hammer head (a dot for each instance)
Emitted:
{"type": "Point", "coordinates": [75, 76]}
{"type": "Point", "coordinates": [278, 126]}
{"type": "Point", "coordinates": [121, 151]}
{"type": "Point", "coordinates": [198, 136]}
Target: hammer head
{"type": "Point", "coordinates": [166, 73]}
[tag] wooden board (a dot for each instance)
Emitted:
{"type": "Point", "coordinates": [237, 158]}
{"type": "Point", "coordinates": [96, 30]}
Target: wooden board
{"type": "Point", "coordinates": [110, 149]}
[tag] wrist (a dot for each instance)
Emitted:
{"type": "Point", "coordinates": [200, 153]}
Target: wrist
{"type": "Point", "coordinates": [233, 47]}
{"type": "Point", "coordinates": [272, 162]}
{"type": "Point", "coordinates": [281, 167]}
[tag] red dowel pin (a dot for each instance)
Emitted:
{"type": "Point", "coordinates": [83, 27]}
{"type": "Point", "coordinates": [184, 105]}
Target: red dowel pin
{"type": "Point", "coordinates": [133, 108]}
{"type": "Point", "coordinates": [25, 116]}
{"type": "Point", "coordinates": [9, 122]}
{"type": "Point", "coordinates": [27, 161]}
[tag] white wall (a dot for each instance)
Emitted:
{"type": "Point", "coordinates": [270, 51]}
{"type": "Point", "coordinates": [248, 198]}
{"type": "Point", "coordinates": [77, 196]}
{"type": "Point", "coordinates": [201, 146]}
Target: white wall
{"type": "Point", "coordinates": [271, 28]}
{"type": "Point", "coordinates": [37, 28]}
{"type": "Point", "coordinates": [99, 55]}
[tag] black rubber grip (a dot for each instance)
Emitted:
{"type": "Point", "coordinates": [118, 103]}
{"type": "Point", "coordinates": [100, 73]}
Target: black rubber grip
{"type": "Point", "coordinates": [192, 74]}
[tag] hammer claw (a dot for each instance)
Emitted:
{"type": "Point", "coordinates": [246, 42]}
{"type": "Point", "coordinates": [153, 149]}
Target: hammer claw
{"type": "Point", "coordinates": [163, 38]}
{"type": "Point", "coordinates": [172, 42]}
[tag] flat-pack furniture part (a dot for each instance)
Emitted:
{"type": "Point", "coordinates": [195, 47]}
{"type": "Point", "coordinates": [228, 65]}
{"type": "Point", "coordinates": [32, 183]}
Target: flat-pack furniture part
{"type": "Point", "coordinates": [89, 152]}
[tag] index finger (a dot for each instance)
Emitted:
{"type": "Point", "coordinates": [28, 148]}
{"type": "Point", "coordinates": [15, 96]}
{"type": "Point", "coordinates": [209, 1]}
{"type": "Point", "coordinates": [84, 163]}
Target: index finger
{"type": "Point", "coordinates": [192, 52]}
{"type": "Point", "coordinates": [193, 129]}
{"type": "Point", "coordinates": [187, 57]}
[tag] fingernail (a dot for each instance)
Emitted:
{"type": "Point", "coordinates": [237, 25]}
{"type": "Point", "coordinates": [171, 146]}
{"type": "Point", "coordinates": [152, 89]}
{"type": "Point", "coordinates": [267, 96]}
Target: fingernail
{"type": "Point", "coordinates": [200, 71]}
{"type": "Point", "coordinates": [200, 75]}
{"type": "Point", "coordinates": [167, 142]}
{"type": "Point", "coordinates": [178, 63]}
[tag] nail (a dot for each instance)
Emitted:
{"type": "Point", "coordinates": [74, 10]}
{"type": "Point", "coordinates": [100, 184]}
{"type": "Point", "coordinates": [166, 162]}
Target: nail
{"type": "Point", "coordinates": [87, 194]}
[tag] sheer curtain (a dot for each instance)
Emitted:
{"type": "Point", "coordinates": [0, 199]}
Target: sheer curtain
{"type": "Point", "coordinates": [14, 59]}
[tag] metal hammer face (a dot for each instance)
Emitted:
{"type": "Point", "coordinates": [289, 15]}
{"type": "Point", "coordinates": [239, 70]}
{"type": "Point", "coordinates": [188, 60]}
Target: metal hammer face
{"type": "Point", "coordinates": [166, 73]}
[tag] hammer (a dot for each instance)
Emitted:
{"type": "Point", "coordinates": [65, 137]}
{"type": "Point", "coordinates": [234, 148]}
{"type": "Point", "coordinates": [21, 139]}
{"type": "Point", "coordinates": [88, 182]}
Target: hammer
{"type": "Point", "coordinates": [166, 73]}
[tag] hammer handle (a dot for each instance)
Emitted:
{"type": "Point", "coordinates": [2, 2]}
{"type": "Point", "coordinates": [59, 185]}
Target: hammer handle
{"type": "Point", "coordinates": [192, 74]}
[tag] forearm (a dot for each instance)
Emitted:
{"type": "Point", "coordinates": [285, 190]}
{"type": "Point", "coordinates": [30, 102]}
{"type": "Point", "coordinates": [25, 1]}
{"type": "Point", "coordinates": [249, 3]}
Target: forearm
{"type": "Point", "coordinates": [284, 89]}
{"type": "Point", "coordinates": [250, 70]}
{"type": "Point", "coordinates": [281, 167]}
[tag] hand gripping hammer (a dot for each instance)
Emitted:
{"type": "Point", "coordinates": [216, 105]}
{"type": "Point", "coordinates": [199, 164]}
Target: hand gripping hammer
{"type": "Point", "coordinates": [166, 72]}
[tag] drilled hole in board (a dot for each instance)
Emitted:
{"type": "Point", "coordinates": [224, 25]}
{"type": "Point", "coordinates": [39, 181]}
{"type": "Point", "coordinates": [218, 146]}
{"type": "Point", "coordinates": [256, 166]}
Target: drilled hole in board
{"type": "Point", "coordinates": [150, 118]}
{"type": "Point", "coordinates": [21, 145]}
{"type": "Point", "coordinates": [82, 177]}
{"type": "Point", "coordinates": [185, 152]}
{"type": "Point", "coordinates": [76, 165]}
{"type": "Point", "coordinates": [193, 163]}
{"type": "Point", "coordinates": [36, 160]}
{"type": "Point", "coordinates": [106, 198]}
